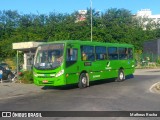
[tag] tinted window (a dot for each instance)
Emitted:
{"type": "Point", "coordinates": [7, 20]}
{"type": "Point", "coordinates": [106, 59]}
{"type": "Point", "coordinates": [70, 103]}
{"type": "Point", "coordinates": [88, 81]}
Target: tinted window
{"type": "Point", "coordinates": [87, 53]}
{"type": "Point", "coordinates": [2, 69]}
{"type": "Point", "coordinates": [122, 53]}
{"type": "Point", "coordinates": [72, 54]}
{"type": "Point", "coordinates": [100, 53]}
{"type": "Point", "coordinates": [130, 53]}
{"type": "Point", "coordinates": [112, 53]}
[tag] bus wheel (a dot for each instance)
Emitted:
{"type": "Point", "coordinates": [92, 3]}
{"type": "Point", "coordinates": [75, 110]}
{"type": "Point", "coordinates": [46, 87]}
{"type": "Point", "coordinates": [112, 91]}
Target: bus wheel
{"type": "Point", "coordinates": [82, 81]}
{"type": "Point", "coordinates": [121, 76]}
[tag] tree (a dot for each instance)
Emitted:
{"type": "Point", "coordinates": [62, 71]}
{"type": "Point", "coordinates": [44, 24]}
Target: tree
{"type": "Point", "coordinates": [113, 25]}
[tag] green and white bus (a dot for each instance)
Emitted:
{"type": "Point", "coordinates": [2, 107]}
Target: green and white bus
{"type": "Point", "coordinates": [79, 62]}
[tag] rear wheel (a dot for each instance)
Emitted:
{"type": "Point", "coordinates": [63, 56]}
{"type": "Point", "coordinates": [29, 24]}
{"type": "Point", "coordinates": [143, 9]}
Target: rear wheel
{"type": "Point", "coordinates": [83, 81]}
{"type": "Point", "coordinates": [121, 76]}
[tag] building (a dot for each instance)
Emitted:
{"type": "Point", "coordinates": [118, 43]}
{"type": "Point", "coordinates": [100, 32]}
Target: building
{"type": "Point", "coordinates": [28, 49]}
{"type": "Point", "coordinates": [147, 13]}
{"type": "Point", "coordinates": [145, 17]}
{"type": "Point", "coordinates": [81, 16]}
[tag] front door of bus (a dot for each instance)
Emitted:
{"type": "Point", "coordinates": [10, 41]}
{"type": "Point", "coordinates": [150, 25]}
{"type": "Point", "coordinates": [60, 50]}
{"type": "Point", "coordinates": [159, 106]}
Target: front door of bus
{"type": "Point", "coordinates": [72, 69]}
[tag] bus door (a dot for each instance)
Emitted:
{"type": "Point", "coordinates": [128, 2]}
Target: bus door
{"type": "Point", "coordinates": [72, 68]}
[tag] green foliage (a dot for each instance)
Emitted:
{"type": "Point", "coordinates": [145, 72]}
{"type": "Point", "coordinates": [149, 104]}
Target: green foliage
{"type": "Point", "coordinates": [114, 25]}
{"type": "Point", "coordinates": [27, 77]}
{"type": "Point", "coordinates": [158, 60]}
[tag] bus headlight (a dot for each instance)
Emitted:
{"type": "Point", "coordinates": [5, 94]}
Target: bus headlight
{"type": "Point", "coordinates": [59, 73]}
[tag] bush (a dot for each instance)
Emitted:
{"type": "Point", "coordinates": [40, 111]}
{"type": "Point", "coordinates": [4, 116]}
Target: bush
{"type": "Point", "coordinates": [158, 60]}
{"type": "Point", "coordinates": [27, 77]}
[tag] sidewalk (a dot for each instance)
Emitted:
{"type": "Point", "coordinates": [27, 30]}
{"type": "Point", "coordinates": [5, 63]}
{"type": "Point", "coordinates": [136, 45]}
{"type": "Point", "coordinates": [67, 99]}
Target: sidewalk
{"type": "Point", "coordinates": [10, 90]}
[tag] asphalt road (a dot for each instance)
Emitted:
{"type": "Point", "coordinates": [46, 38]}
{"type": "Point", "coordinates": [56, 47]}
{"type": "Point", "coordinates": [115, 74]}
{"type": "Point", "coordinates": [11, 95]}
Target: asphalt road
{"type": "Point", "coordinates": [132, 94]}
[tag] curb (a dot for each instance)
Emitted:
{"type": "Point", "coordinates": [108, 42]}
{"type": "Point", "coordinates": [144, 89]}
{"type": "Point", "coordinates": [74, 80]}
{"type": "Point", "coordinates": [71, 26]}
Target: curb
{"type": "Point", "coordinates": [155, 88]}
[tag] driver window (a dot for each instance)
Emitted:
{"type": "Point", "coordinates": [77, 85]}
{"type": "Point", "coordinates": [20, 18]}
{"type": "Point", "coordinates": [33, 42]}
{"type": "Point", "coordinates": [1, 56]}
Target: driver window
{"type": "Point", "coordinates": [72, 54]}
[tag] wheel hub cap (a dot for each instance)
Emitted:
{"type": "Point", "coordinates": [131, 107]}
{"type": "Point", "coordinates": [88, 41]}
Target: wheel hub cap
{"type": "Point", "coordinates": [84, 80]}
{"type": "Point", "coordinates": [121, 76]}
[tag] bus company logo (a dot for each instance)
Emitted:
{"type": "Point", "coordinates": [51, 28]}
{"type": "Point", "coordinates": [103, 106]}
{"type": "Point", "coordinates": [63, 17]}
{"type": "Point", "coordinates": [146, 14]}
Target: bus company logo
{"type": "Point", "coordinates": [6, 114]}
{"type": "Point", "coordinates": [108, 68]}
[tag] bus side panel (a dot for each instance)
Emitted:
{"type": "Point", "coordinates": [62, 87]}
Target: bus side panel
{"type": "Point", "coordinates": [126, 65]}
{"type": "Point", "coordinates": [129, 71]}
{"type": "Point", "coordinates": [113, 68]}
{"type": "Point", "coordinates": [100, 70]}
{"type": "Point", "coordinates": [130, 67]}
{"type": "Point", "coordinates": [72, 78]}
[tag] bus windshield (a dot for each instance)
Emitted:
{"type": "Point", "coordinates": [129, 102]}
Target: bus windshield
{"type": "Point", "coordinates": [49, 56]}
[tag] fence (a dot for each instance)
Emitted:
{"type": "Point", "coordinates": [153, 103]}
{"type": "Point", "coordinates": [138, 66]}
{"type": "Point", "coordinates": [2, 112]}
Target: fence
{"type": "Point", "coordinates": [147, 60]}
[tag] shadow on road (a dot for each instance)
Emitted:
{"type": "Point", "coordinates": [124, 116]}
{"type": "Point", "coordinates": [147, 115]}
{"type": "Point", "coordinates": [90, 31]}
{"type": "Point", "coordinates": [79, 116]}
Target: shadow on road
{"type": "Point", "coordinates": [66, 87]}
{"type": "Point", "coordinates": [92, 83]}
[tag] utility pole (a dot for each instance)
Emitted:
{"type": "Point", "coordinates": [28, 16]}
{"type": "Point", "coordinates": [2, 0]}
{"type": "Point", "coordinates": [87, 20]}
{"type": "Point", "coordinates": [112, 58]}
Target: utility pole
{"type": "Point", "coordinates": [91, 19]}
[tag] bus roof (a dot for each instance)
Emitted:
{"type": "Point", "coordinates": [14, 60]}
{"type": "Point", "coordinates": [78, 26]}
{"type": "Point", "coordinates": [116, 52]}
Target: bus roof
{"type": "Point", "coordinates": [90, 43]}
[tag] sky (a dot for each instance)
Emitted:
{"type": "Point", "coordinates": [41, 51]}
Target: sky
{"type": "Point", "coordinates": [69, 6]}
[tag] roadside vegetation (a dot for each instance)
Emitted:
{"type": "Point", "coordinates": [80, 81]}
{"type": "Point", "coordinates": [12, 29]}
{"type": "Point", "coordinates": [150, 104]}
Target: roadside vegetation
{"type": "Point", "coordinates": [113, 25]}
{"type": "Point", "coordinates": [26, 77]}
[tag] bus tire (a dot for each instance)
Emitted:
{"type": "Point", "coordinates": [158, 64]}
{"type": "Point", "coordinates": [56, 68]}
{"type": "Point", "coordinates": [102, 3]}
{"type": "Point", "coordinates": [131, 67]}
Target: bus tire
{"type": "Point", "coordinates": [82, 81]}
{"type": "Point", "coordinates": [121, 76]}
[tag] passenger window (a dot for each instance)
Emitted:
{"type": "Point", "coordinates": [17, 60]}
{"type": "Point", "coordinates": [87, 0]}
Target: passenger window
{"type": "Point", "coordinates": [87, 53]}
{"type": "Point", "coordinates": [100, 53]}
{"type": "Point", "coordinates": [112, 53]}
{"type": "Point", "coordinates": [72, 54]}
{"type": "Point", "coordinates": [123, 52]}
{"type": "Point", "coordinates": [130, 53]}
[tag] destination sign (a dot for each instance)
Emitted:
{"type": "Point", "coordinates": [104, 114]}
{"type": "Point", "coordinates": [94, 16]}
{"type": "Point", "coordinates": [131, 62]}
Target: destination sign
{"type": "Point", "coordinates": [51, 47]}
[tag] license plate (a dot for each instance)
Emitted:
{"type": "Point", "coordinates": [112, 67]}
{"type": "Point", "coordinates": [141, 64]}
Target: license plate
{"type": "Point", "coordinates": [45, 81]}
